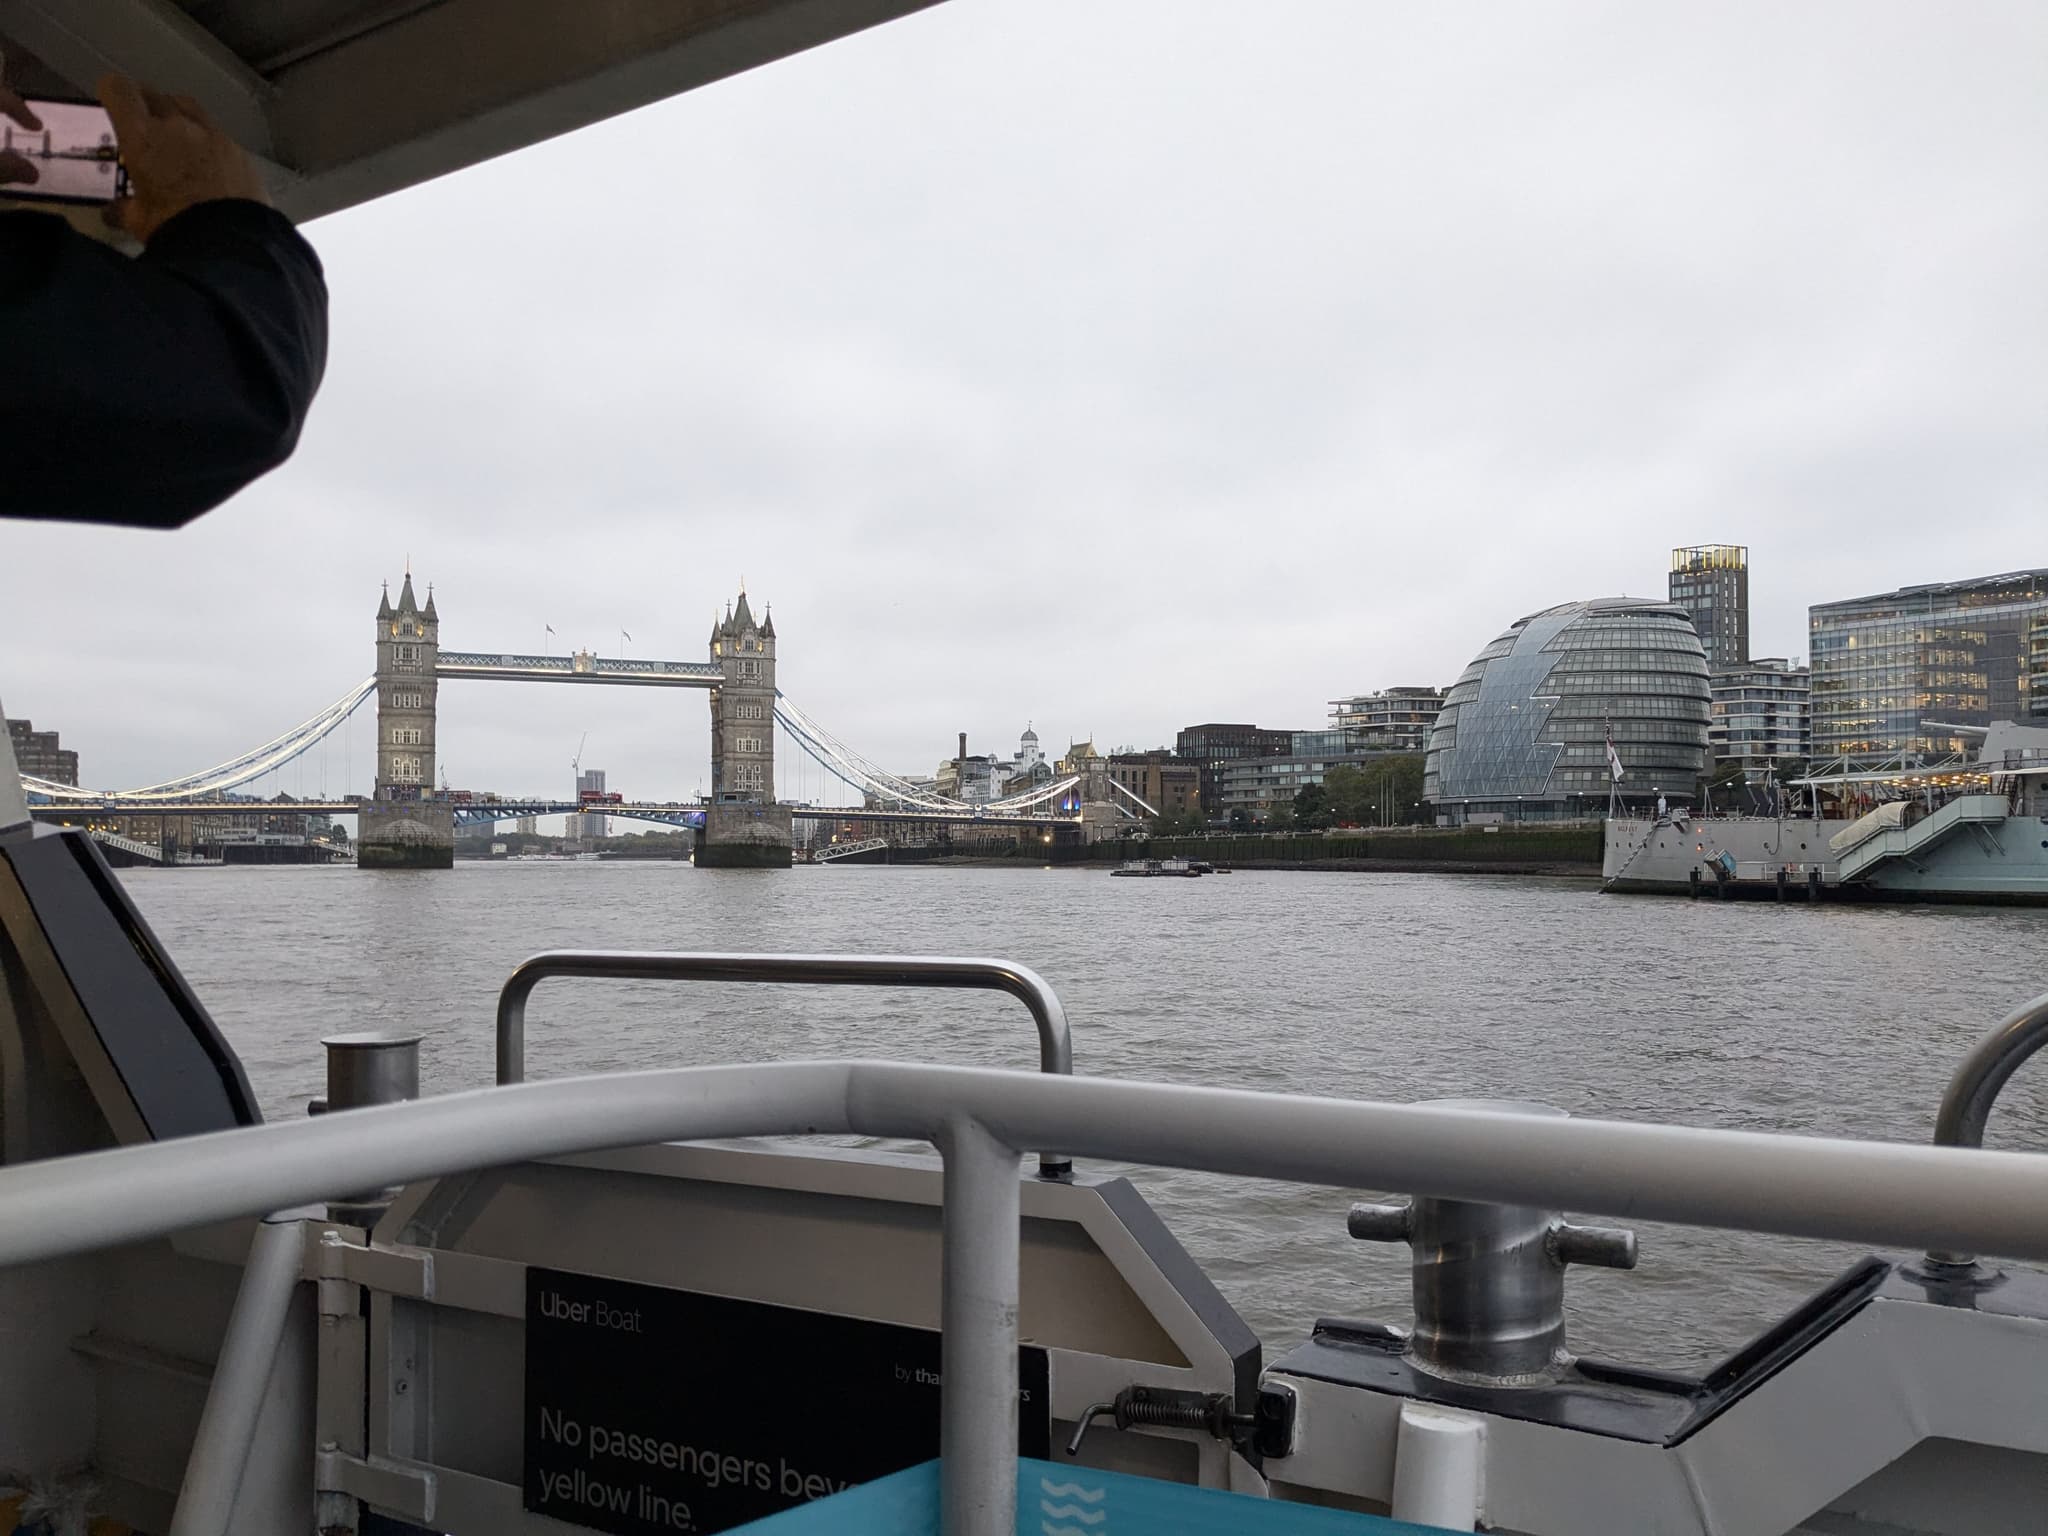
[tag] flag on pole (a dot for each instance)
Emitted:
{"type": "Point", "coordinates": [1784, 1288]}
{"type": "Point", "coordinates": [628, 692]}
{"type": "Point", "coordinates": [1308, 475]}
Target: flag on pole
{"type": "Point", "coordinates": [549, 628]}
{"type": "Point", "coordinates": [628, 638]}
{"type": "Point", "coordinates": [1613, 757]}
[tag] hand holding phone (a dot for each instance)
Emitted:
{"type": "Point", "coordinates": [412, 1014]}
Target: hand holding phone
{"type": "Point", "coordinates": [177, 154]}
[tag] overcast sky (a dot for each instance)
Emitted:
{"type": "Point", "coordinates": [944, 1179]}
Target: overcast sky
{"type": "Point", "coordinates": [1116, 366]}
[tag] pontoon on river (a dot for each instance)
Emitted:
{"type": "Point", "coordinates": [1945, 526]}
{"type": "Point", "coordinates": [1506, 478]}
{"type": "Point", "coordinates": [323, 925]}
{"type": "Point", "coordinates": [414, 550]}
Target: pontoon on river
{"type": "Point", "coordinates": [609, 1304]}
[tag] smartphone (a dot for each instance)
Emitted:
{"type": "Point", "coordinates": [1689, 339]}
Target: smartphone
{"type": "Point", "coordinates": [74, 153]}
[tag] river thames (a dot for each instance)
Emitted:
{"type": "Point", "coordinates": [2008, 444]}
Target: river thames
{"type": "Point", "coordinates": [1815, 1020]}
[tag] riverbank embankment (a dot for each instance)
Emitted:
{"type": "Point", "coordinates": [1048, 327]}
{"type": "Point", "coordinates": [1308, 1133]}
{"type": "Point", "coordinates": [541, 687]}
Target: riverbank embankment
{"type": "Point", "coordinates": [1505, 850]}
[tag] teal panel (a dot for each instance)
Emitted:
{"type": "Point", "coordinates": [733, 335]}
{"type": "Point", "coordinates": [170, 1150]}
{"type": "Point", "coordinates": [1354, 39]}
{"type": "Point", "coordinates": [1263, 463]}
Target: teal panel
{"type": "Point", "coordinates": [1073, 1501]}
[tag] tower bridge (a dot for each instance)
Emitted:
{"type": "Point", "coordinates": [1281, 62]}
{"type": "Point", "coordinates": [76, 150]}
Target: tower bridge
{"type": "Point", "coordinates": [404, 822]}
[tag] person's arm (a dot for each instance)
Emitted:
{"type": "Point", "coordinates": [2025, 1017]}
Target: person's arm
{"type": "Point", "coordinates": [147, 391]}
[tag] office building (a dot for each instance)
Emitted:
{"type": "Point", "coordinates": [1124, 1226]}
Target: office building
{"type": "Point", "coordinates": [1393, 720]}
{"type": "Point", "coordinates": [587, 826]}
{"type": "Point", "coordinates": [1523, 733]}
{"type": "Point", "coordinates": [1711, 582]}
{"type": "Point", "coordinates": [2037, 668]}
{"type": "Point", "coordinates": [1889, 671]}
{"type": "Point", "coordinates": [1210, 746]}
{"type": "Point", "coordinates": [1763, 714]}
{"type": "Point", "coordinates": [1257, 785]}
{"type": "Point", "coordinates": [40, 755]}
{"type": "Point", "coordinates": [1159, 779]}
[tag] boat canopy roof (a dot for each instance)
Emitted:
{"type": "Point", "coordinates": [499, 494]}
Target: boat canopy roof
{"type": "Point", "coordinates": [346, 100]}
{"type": "Point", "coordinates": [2004, 748]}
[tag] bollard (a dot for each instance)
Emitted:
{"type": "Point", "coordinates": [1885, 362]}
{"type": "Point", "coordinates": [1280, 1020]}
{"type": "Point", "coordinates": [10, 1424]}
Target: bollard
{"type": "Point", "coordinates": [1488, 1280]}
{"type": "Point", "coordinates": [367, 1068]}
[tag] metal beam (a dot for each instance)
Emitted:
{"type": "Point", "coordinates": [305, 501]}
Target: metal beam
{"type": "Point", "coordinates": [155, 42]}
{"type": "Point", "coordinates": [468, 80]}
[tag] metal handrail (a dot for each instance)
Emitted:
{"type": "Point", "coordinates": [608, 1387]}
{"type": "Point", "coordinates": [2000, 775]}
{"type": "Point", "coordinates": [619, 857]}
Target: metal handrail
{"type": "Point", "coordinates": [1884, 1193]}
{"type": "Point", "coordinates": [1983, 1074]}
{"type": "Point", "coordinates": [1055, 1041]}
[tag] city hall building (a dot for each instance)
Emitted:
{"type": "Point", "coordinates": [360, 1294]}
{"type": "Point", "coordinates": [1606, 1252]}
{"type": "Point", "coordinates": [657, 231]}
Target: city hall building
{"type": "Point", "coordinates": [1523, 733]}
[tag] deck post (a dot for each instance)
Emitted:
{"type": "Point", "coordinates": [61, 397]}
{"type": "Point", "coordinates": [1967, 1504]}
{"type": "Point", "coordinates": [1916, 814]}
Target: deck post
{"type": "Point", "coordinates": [978, 1352]}
{"type": "Point", "coordinates": [241, 1377]}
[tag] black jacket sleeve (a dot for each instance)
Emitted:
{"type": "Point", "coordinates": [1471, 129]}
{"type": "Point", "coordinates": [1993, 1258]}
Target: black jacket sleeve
{"type": "Point", "coordinates": [147, 390]}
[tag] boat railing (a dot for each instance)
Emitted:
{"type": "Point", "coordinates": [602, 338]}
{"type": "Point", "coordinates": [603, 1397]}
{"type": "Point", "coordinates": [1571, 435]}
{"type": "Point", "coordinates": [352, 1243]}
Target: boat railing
{"type": "Point", "coordinates": [1881, 1193]}
{"type": "Point", "coordinates": [1055, 1041]}
{"type": "Point", "coordinates": [1966, 1107]}
{"type": "Point", "coordinates": [1770, 869]}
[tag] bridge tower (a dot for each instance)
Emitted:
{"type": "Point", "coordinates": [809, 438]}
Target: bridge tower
{"type": "Point", "coordinates": [406, 825]}
{"type": "Point", "coordinates": [744, 827]}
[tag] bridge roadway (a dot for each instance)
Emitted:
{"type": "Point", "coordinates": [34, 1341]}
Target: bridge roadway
{"type": "Point", "coordinates": [579, 668]}
{"type": "Point", "coordinates": [477, 812]}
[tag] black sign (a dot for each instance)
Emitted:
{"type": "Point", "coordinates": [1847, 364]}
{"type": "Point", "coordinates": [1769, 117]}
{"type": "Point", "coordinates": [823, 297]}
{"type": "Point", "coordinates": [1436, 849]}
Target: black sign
{"type": "Point", "coordinates": [652, 1410]}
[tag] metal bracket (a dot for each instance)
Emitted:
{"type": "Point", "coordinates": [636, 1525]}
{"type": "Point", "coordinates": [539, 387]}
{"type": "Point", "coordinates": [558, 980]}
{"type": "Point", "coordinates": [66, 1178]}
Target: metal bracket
{"type": "Point", "coordinates": [405, 1489]}
{"type": "Point", "coordinates": [337, 1260]}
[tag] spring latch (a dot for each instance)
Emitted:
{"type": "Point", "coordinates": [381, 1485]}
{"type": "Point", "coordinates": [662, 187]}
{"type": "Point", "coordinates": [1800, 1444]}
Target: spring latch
{"type": "Point", "coordinates": [1268, 1431]}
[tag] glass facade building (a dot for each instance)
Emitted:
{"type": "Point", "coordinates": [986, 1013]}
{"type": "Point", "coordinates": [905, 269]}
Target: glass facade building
{"type": "Point", "coordinates": [2037, 669]}
{"type": "Point", "coordinates": [1763, 713]}
{"type": "Point", "coordinates": [1889, 671]}
{"type": "Point", "coordinates": [1523, 734]}
{"type": "Point", "coordinates": [1711, 582]}
{"type": "Point", "coordinates": [1393, 720]}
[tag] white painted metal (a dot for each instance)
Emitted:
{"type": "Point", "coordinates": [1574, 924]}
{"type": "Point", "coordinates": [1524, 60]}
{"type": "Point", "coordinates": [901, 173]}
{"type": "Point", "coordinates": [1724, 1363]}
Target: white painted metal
{"type": "Point", "coordinates": [249, 765]}
{"type": "Point", "coordinates": [1055, 1043]}
{"type": "Point", "coordinates": [978, 1359]}
{"type": "Point", "coordinates": [227, 1427]}
{"type": "Point", "coordinates": [1438, 1459]}
{"type": "Point", "coordinates": [1881, 1193]}
{"type": "Point", "coordinates": [884, 790]}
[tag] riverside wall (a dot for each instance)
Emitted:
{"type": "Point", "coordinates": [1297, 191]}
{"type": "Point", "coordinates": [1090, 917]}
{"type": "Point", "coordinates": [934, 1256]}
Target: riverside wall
{"type": "Point", "coordinates": [1508, 850]}
{"type": "Point", "coordinates": [1567, 850]}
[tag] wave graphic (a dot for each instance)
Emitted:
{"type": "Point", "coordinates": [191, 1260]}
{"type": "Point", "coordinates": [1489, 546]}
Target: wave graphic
{"type": "Point", "coordinates": [1047, 1528]}
{"type": "Point", "coordinates": [1054, 1490]}
{"type": "Point", "coordinates": [1054, 1511]}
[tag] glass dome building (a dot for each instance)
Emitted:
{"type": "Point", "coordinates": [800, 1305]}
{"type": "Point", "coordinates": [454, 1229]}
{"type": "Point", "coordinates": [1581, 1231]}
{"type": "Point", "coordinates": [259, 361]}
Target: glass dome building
{"type": "Point", "coordinates": [1523, 734]}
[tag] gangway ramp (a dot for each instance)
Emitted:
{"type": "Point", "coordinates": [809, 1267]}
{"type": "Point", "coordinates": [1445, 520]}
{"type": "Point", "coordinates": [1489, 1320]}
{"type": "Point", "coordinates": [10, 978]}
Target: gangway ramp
{"type": "Point", "coordinates": [1888, 836]}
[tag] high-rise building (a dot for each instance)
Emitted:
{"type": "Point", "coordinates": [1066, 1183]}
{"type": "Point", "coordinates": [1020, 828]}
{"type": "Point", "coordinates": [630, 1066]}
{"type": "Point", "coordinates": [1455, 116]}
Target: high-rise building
{"type": "Point", "coordinates": [1890, 670]}
{"type": "Point", "coordinates": [1711, 582]}
{"type": "Point", "coordinates": [527, 826]}
{"type": "Point", "coordinates": [1392, 720]}
{"type": "Point", "coordinates": [1763, 713]}
{"type": "Point", "coordinates": [589, 824]}
{"type": "Point", "coordinates": [40, 755]}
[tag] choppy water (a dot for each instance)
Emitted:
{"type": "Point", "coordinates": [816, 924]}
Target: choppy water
{"type": "Point", "coordinates": [1821, 1020]}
